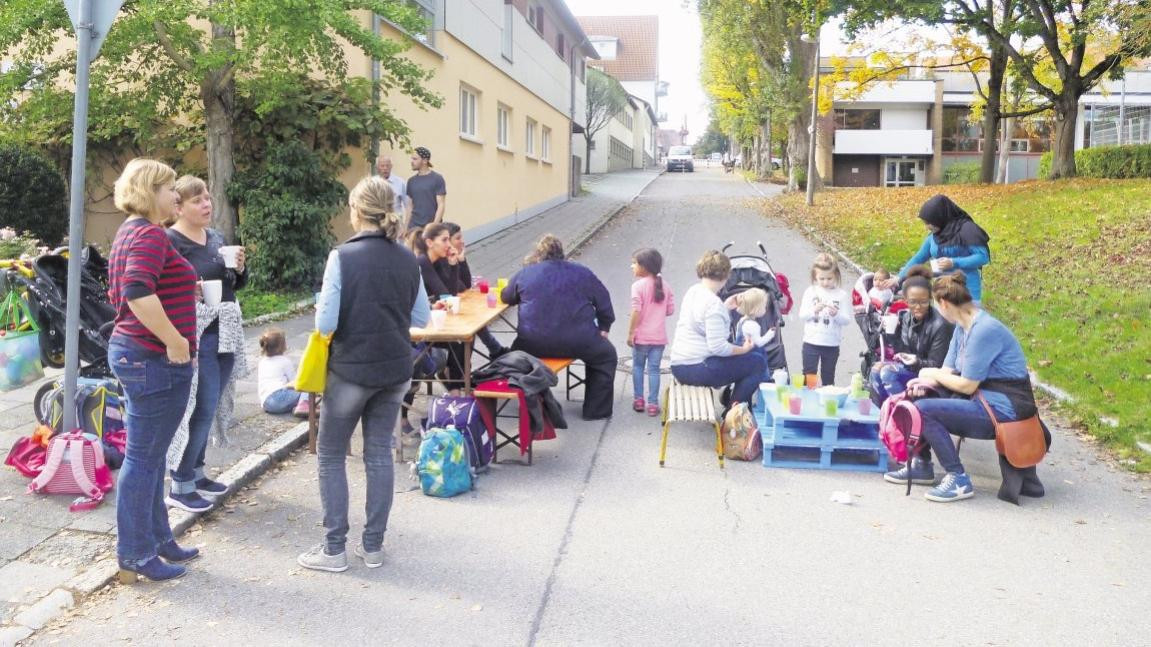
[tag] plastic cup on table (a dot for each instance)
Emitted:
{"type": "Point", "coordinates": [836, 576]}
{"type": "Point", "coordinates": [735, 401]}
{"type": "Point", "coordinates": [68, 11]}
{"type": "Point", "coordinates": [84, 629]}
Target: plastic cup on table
{"type": "Point", "coordinates": [864, 406]}
{"type": "Point", "coordinates": [500, 285]}
{"type": "Point", "coordinates": [438, 317]}
{"type": "Point", "coordinates": [783, 391]}
{"type": "Point", "coordinates": [831, 407]}
{"type": "Point", "coordinates": [492, 302]}
{"type": "Point", "coordinates": [797, 381]}
{"type": "Point", "coordinates": [482, 284]}
{"type": "Point", "coordinates": [795, 405]}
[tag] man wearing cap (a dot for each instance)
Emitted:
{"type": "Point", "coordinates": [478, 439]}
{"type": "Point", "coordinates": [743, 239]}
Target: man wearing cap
{"type": "Point", "coordinates": [427, 191]}
{"type": "Point", "coordinates": [399, 186]}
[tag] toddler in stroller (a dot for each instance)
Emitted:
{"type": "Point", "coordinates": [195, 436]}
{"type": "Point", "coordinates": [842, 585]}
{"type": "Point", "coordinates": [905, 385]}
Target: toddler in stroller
{"type": "Point", "coordinates": [752, 304]}
{"type": "Point", "coordinates": [751, 272]}
{"type": "Point", "coordinates": [877, 319]}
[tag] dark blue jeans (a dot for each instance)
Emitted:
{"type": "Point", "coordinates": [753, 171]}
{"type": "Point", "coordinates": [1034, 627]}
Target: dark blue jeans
{"type": "Point", "coordinates": [943, 417]}
{"type": "Point", "coordinates": [215, 369]}
{"type": "Point", "coordinates": [743, 371]}
{"type": "Point", "coordinates": [156, 394]}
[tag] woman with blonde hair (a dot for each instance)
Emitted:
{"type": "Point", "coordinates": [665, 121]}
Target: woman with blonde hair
{"type": "Point", "coordinates": [219, 347]}
{"type": "Point", "coordinates": [371, 296]}
{"type": "Point", "coordinates": [152, 288]}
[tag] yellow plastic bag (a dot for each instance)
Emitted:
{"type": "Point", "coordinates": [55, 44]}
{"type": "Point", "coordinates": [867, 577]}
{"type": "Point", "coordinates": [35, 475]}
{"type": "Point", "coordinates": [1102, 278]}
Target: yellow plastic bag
{"type": "Point", "coordinates": [313, 372]}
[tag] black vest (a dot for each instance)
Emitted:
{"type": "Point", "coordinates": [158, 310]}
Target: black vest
{"type": "Point", "coordinates": [379, 280]}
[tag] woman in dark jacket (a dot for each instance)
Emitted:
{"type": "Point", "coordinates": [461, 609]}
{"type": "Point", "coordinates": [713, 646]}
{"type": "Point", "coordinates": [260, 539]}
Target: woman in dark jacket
{"type": "Point", "coordinates": [565, 311]}
{"type": "Point", "coordinates": [371, 296]}
{"type": "Point", "coordinates": [921, 339]}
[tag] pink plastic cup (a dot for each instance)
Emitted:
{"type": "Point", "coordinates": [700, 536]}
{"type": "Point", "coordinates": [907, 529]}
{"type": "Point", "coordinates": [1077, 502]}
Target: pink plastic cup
{"type": "Point", "coordinates": [865, 406]}
{"type": "Point", "coordinates": [795, 405]}
{"type": "Point", "coordinates": [492, 299]}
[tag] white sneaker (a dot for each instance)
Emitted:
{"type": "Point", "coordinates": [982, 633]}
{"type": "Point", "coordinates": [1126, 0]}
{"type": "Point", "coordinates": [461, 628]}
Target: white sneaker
{"type": "Point", "coordinates": [373, 559]}
{"type": "Point", "coordinates": [317, 560]}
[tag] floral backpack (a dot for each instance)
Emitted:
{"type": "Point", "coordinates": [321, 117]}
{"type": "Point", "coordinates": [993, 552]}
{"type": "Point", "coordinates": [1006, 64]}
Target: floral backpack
{"type": "Point", "coordinates": [741, 439]}
{"type": "Point", "coordinates": [443, 465]}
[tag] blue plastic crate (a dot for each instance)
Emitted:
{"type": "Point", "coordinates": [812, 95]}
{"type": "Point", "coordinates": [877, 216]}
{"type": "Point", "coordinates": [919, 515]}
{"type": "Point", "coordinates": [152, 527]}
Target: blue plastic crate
{"type": "Point", "coordinates": [811, 441]}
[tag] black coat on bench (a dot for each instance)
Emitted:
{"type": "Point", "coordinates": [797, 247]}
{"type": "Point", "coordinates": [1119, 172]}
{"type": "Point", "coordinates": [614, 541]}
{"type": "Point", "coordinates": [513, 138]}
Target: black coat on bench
{"type": "Point", "coordinates": [530, 375]}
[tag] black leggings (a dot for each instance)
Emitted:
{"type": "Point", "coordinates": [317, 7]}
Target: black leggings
{"type": "Point", "coordinates": [823, 357]}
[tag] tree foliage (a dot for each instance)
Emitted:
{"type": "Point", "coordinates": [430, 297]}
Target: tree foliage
{"type": "Point", "coordinates": [167, 77]}
{"type": "Point", "coordinates": [605, 98]}
{"type": "Point", "coordinates": [32, 196]}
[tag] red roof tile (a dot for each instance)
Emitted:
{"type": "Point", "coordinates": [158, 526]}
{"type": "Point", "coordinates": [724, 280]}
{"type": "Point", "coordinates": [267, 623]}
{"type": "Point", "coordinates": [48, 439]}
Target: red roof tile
{"type": "Point", "coordinates": [637, 58]}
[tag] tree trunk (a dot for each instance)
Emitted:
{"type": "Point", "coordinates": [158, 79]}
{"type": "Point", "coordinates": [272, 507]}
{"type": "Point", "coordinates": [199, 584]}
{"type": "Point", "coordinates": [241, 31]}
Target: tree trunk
{"type": "Point", "coordinates": [1063, 152]}
{"type": "Point", "coordinates": [219, 102]}
{"type": "Point", "coordinates": [587, 153]}
{"type": "Point", "coordinates": [1005, 150]}
{"type": "Point", "coordinates": [801, 66]}
{"type": "Point", "coordinates": [995, 74]}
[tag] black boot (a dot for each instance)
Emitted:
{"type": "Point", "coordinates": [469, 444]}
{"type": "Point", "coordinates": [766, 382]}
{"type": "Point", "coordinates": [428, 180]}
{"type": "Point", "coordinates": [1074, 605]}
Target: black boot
{"type": "Point", "coordinates": [1032, 486]}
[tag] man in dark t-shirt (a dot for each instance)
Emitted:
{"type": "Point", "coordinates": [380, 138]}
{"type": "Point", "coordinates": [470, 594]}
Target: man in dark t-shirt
{"type": "Point", "coordinates": [426, 190]}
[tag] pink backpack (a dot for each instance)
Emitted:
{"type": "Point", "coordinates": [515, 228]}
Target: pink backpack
{"type": "Point", "coordinates": [900, 429]}
{"type": "Point", "coordinates": [74, 465]}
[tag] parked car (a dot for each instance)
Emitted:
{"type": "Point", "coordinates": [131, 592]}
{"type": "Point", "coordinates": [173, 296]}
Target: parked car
{"type": "Point", "coordinates": [679, 159]}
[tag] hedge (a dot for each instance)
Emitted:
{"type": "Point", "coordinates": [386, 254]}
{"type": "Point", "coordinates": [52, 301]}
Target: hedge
{"type": "Point", "coordinates": [1110, 162]}
{"type": "Point", "coordinates": [962, 173]}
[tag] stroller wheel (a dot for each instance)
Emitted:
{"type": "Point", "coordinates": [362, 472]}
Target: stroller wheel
{"type": "Point", "coordinates": [42, 403]}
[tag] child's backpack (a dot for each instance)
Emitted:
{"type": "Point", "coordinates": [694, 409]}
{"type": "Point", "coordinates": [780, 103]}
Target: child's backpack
{"type": "Point", "coordinates": [443, 463]}
{"type": "Point", "coordinates": [462, 413]}
{"type": "Point", "coordinates": [741, 439]}
{"type": "Point", "coordinates": [99, 406]}
{"type": "Point", "coordinates": [901, 429]}
{"type": "Point", "coordinates": [74, 465]}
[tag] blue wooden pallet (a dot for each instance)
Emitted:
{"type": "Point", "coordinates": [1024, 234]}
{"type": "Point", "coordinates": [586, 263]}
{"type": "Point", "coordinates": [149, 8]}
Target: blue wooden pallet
{"type": "Point", "coordinates": [811, 440]}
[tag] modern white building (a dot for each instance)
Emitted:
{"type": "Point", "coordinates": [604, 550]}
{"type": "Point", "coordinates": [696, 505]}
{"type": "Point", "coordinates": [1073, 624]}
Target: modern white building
{"type": "Point", "coordinates": [908, 132]}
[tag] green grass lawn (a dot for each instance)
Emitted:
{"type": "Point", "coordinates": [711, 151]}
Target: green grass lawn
{"type": "Point", "coordinates": [1070, 273]}
{"type": "Point", "coordinates": [256, 303]}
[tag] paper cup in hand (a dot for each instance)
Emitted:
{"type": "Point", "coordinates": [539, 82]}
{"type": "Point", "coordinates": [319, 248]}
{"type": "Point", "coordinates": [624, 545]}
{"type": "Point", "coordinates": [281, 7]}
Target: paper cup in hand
{"type": "Point", "coordinates": [230, 253]}
{"type": "Point", "coordinates": [438, 317]}
{"type": "Point", "coordinates": [935, 269]}
{"type": "Point", "coordinates": [213, 292]}
{"type": "Point", "coordinates": [890, 323]}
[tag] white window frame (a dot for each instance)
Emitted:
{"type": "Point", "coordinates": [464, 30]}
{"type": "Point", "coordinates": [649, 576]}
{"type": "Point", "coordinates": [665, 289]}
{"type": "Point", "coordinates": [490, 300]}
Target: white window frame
{"type": "Point", "coordinates": [545, 144]}
{"type": "Point", "coordinates": [503, 127]}
{"type": "Point", "coordinates": [530, 138]}
{"type": "Point", "coordinates": [469, 112]}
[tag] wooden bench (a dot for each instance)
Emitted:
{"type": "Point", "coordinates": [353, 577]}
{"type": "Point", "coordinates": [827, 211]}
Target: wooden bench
{"type": "Point", "coordinates": [503, 438]}
{"type": "Point", "coordinates": [683, 403]}
{"type": "Point", "coordinates": [557, 364]}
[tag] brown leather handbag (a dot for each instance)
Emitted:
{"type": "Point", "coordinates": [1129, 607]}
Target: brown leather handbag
{"type": "Point", "coordinates": [1021, 442]}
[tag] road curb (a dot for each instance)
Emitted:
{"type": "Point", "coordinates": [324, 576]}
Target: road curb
{"type": "Point", "coordinates": [99, 574]}
{"type": "Point", "coordinates": [1051, 390]}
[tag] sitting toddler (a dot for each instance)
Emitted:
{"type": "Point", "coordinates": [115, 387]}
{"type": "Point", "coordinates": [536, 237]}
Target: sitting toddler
{"type": "Point", "coordinates": [276, 375]}
{"type": "Point", "coordinates": [753, 305]}
{"type": "Point", "coordinates": [878, 296]}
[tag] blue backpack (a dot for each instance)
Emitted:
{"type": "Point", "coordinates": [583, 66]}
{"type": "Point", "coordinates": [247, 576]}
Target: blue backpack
{"type": "Point", "coordinates": [443, 463]}
{"type": "Point", "coordinates": [463, 413]}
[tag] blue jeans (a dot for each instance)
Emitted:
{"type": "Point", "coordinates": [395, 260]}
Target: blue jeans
{"type": "Point", "coordinates": [889, 379]}
{"type": "Point", "coordinates": [156, 394]}
{"type": "Point", "coordinates": [281, 401]}
{"type": "Point", "coordinates": [215, 369]}
{"type": "Point", "coordinates": [646, 357]}
{"type": "Point", "coordinates": [945, 416]}
{"type": "Point", "coordinates": [744, 371]}
{"type": "Point", "coordinates": [346, 405]}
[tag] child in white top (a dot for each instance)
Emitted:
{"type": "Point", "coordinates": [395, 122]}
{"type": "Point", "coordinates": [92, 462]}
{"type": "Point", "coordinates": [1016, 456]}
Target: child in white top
{"type": "Point", "coordinates": [752, 304]}
{"type": "Point", "coordinates": [879, 296]}
{"type": "Point", "coordinates": [825, 311]}
{"type": "Point", "coordinates": [275, 376]}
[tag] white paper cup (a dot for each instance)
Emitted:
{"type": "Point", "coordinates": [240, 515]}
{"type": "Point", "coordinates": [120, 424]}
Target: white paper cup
{"type": "Point", "coordinates": [454, 305]}
{"type": "Point", "coordinates": [213, 292]}
{"type": "Point", "coordinates": [438, 317]}
{"type": "Point", "coordinates": [890, 323]}
{"type": "Point", "coordinates": [935, 267]}
{"type": "Point", "coordinates": [229, 254]}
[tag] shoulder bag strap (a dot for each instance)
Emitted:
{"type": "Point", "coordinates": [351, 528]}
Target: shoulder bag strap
{"type": "Point", "coordinates": [994, 422]}
{"type": "Point", "coordinates": [76, 455]}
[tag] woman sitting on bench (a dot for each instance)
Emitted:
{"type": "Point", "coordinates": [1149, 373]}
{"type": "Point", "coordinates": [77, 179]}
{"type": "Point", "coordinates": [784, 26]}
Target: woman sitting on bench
{"type": "Point", "coordinates": [565, 311]}
{"type": "Point", "coordinates": [701, 355]}
{"type": "Point", "coordinates": [984, 357]}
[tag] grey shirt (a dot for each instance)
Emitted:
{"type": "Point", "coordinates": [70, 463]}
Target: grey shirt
{"type": "Point", "coordinates": [422, 191]}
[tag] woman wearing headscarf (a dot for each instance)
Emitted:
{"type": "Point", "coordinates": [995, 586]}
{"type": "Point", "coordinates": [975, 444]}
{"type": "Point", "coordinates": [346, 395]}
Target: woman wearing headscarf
{"type": "Point", "coordinates": [953, 242]}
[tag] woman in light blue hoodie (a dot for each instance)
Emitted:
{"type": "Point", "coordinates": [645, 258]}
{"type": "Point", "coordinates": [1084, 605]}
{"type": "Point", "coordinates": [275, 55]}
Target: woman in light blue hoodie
{"type": "Point", "coordinates": [954, 242]}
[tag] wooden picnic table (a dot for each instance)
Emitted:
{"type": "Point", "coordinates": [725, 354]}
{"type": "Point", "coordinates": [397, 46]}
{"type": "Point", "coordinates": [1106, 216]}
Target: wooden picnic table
{"type": "Point", "coordinates": [474, 315]}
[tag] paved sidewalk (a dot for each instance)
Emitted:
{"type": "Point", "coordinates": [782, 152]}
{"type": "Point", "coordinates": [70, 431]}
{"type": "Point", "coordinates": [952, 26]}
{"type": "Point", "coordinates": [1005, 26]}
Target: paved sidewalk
{"type": "Point", "coordinates": [49, 556]}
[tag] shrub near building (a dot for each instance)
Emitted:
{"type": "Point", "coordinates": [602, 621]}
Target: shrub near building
{"type": "Point", "coordinates": [32, 196]}
{"type": "Point", "coordinates": [1108, 162]}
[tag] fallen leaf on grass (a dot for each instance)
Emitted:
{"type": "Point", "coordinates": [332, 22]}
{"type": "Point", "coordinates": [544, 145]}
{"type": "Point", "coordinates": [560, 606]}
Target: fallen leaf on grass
{"type": "Point", "coordinates": [1045, 363]}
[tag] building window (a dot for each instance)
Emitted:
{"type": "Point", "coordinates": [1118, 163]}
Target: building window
{"type": "Point", "coordinates": [503, 123]}
{"type": "Point", "coordinates": [427, 10]}
{"type": "Point", "coordinates": [469, 102]}
{"type": "Point", "coordinates": [1101, 125]}
{"type": "Point", "coordinates": [546, 143]}
{"type": "Point", "coordinates": [960, 134]}
{"type": "Point", "coordinates": [509, 15]}
{"type": "Point", "coordinates": [855, 119]}
{"type": "Point", "coordinates": [560, 47]}
{"type": "Point", "coordinates": [536, 18]}
{"type": "Point", "coordinates": [605, 46]}
{"type": "Point", "coordinates": [625, 117]}
{"type": "Point", "coordinates": [530, 138]}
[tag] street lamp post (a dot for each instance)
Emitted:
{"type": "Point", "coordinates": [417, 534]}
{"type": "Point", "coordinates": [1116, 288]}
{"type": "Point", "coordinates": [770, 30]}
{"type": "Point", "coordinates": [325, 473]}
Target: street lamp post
{"type": "Point", "coordinates": [812, 130]}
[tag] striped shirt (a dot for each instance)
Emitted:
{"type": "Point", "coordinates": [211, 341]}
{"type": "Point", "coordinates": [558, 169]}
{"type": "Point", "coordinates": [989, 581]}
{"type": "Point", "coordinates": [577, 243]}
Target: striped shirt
{"type": "Point", "coordinates": [144, 262]}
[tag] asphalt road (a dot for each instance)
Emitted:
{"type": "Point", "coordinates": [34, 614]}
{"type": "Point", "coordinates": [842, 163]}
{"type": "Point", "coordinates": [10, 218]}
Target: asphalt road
{"type": "Point", "coordinates": [597, 545]}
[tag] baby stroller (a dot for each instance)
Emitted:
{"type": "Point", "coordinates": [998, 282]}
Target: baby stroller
{"type": "Point", "coordinates": [749, 271]}
{"type": "Point", "coordinates": [869, 315]}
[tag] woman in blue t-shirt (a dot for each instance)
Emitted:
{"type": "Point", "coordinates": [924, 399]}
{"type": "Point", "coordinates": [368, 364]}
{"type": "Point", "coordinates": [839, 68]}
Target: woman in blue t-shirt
{"type": "Point", "coordinates": [955, 242]}
{"type": "Point", "coordinates": [984, 356]}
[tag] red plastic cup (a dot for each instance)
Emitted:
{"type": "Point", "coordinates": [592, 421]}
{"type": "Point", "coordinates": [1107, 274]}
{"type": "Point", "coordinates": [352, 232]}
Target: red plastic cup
{"type": "Point", "coordinates": [795, 405]}
{"type": "Point", "coordinates": [483, 286]}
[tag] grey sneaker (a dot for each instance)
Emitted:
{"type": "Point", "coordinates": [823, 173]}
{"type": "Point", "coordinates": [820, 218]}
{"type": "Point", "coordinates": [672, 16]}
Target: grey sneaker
{"type": "Point", "coordinates": [317, 560]}
{"type": "Point", "coordinates": [373, 559]}
{"type": "Point", "coordinates": [922, 473]}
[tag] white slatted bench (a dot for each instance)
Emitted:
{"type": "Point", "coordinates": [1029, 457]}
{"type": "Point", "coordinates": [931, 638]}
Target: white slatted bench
{"type": "Point", "coordinates": [683, 403]}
